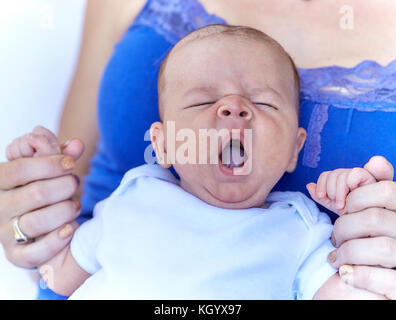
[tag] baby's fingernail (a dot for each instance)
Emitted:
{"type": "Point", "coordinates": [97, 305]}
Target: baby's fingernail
{"type": "Point", "coordinates": [346, 274]}
{"type": "Point", "coordinates": [339, 205]}
{"type": "Point", "coordinates": [332, 257]}
{"type": "Point", "coordinates": [66, 231]}
{"type": "Point", "coordinates": [68, 163]}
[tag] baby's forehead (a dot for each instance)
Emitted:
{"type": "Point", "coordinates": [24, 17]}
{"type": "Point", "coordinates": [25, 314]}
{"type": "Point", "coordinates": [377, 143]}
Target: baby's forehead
{"type": "Point", "coordinates": [225, 41]}
{"type": "Point", "coordinates": [204, 48]}
{"type": "Point", "coordinates": [222, 57]}
{"type": "Point", "coordinates": [216, 40]}
{"type": "Point", "coordinates": [227, 32]}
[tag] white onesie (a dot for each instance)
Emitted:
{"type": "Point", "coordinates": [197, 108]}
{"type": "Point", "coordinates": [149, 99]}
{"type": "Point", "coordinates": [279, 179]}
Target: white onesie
{"type": "Point", "coordinates": [152, 240]}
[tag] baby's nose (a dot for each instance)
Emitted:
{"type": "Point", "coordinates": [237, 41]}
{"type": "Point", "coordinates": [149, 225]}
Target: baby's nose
{"type": "Point", "coordinates": [234, 110]}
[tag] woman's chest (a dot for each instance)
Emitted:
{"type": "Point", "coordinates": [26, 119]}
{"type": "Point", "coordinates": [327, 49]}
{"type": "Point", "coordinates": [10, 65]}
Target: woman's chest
{"type": "Point", "coordinates": [315, 33]}
{"type": "Point", "coordinates": [319, 33]}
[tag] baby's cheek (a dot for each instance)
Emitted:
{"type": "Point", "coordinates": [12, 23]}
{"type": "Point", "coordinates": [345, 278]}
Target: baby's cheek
{"type": "Point", "coordinates": [273, 144]}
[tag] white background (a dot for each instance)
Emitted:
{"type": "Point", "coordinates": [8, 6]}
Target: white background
{"type": "Point", "coordinates": [39, 41]}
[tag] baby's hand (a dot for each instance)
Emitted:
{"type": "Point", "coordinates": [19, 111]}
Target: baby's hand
{"type": "Point", "coordinates": [333, 187]}
{"type": "Point", "coordinates": [40, 142]}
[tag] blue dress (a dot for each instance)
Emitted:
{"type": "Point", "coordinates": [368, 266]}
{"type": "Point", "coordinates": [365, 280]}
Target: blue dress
{"type": "Point", "coordinates": [349, 113]}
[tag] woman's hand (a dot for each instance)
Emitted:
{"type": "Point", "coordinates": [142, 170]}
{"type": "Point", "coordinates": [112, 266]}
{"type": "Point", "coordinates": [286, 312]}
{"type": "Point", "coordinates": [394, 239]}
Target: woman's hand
{"type": "Point", "coordinates": [365, 237]}
{"type": "Point", "coordinates": [37, 185]}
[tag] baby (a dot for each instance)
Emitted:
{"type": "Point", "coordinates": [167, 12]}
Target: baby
{"type": "Point", "coordinates": [217, 232]}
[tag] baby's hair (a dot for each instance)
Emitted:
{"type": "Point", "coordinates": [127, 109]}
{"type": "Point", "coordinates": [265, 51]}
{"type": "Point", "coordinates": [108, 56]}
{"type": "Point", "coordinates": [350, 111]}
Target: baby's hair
{"type": "Point", "coordinates": [234, 31]}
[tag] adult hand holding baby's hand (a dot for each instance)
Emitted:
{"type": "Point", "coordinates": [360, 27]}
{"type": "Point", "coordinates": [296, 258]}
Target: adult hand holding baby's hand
{"type": "Point", "coordinates": [36, 186]}
{"type": "Point", "coordinates": [333, 187]}
{"type": "Point", "coordinates": [365, 236]}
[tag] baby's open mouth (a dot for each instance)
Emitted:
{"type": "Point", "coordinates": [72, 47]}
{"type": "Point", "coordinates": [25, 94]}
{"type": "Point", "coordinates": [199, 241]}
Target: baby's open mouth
{"type": "Point", "coordinates": [233, 154]}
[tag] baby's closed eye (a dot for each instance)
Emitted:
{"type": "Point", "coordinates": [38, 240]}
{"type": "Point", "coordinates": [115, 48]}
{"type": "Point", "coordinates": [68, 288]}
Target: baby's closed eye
{"type": "Point", "coordinates": [265, 105]}
{"type": "Point", "coordinates": [200, 105]}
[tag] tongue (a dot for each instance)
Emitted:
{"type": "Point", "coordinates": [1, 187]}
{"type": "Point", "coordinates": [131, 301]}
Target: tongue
{"type": "Point", "coordinates": [233, 155]}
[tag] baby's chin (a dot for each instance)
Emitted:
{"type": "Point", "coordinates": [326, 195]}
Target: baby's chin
{"type": "Point", "coordinates": [230, 195]}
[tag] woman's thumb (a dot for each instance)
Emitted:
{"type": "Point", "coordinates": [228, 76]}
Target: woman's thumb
{"type": "Point", "coordinates": [380, 168]}
{"type": "Point", "coordinates": [74, 148]}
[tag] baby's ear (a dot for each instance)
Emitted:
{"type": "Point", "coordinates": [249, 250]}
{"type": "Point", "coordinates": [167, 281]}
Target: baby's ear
{"type": "Point", "coordinates": [158, 142]}
{"type": "Point", "coordinates": [300, 140]}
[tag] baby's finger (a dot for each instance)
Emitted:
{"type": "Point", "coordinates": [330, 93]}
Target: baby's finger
{"type": "Point", "coordinates": [24, 147]}
{"type": "Point", "coordinates": [325, 202]}
{"type": "Point", "coordinates": [8, 153]}
{"type": "Point", "coordinates": [311, 187]}
{"type": "Point", "coordinates": [14, 150]}
{"type": "Point", "coordinates": [322, 185]}
{"type": "Point", "coordinates": [42, 145]}
{"type": "Point", "coordinates": [332, 182]}
{"type": "Point", "coordinates": [52, 138]}
{"type": "Point", "coordinates": [358, 177]}
{"type": "Point", "coordinates": [342, 191]}
{"type": "Point", "coordinates": [331, 187]}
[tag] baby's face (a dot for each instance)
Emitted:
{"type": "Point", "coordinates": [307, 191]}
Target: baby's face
{"type": "Point", "coordinates": [231, 86]}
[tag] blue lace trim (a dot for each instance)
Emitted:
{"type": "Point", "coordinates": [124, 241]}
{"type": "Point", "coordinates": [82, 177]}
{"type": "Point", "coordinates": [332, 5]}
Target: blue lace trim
{"type": "Point", "coordinates": [366, 87]}
{"type": "Point", "coordinates": [313, 146]}
{"type": "Point", "coordinates": [174, 19]}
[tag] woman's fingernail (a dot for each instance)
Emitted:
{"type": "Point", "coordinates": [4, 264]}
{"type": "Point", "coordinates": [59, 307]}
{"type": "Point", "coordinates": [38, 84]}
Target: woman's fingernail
{"type": "Point", "coordinates": [77, 203]}
{"type": "Point", "coordinates": [77, 179]}
{"type": "Point", "coordinates": [320, 195]}
{"type": "Point", "coordinates": [68, 163]}
{"type": "Point", "coordinates": [346, 274]}
{"type": "Point", "coordinates": [66, 231]}
{"type": "Point", "coordinates": [333, 240]}
{"type": "Point", "coordinates": [332, 256]}
{"type": "Point", "coordinates": [64, 145]}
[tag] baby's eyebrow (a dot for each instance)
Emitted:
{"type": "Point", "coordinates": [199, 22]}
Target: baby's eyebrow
{"type": "Point", "coordinates": [213, 91]}
{"type": "Point", "coordinates": [267, 93]}
{"type": "Point", "coordinates": [266, 90]}
{"type": "Point", "coordinates": [203, 89]}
